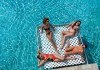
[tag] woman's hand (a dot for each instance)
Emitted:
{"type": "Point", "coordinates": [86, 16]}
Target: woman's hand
{"type": "Point", "coordinates": [41, 63]}
{"type": "Point", "coordinates": [70, 24]}
{"type": "Point", "coordinates": [39, 52]}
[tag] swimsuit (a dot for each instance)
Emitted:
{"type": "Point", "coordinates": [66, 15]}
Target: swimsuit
{"type": "Point", "coordinates": [46, 29]}
{"type": "Point", "coordinates": [70, 32]}
{"type": "Point", "coordinates": [48, 33]}
{"type": "Point", "coordinates": [77, 50]}
{"type": "Point", "coordinates": [49, 57]}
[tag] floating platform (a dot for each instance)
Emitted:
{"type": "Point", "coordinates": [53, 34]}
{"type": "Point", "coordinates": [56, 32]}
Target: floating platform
{"type": "Point", "coordinates": [46, 47]}
{"type": "Point", "coordinates": [81, 67]}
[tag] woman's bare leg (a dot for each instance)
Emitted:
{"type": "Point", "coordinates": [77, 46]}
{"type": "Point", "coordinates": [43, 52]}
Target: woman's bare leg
{"type": "Point", "coordinates": [63, 33]}
{"type": "Point", "coordinates": [69, 58]}
{"type": "Point", "coordinates": [57, 60]}
{"type": "Point", "coordinates": [51, 40]}
{"type": "Point", "coordinates": [69, 49]}
{"type": "Point", "coordinates": [63, 41]}
{"type": "Point", "coordinates": [62, 37]}
{"type": "Point", "coordinates": [69, 53]}
{"type": "Point", "coordinates": [59, 57]}
{"type": "Point", "coordinates": [62, 58]}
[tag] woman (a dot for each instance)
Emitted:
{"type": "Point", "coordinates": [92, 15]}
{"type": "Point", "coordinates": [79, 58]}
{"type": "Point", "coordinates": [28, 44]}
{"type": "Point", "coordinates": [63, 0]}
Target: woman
{"type": "Point", "coordinates": [74, 28]}
{"type": "Point", "coordinates": [50, 57]}
{"type": "Point", "coordinates": [74, 49]}
{"type": "Point", "coordinates": [46, 26]}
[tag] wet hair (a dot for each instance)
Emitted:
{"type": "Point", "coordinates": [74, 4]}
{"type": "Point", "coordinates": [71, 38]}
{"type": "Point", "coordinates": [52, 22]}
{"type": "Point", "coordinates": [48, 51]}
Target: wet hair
{"type": "Point", "coordinates": [85, 45]}
{"type": "Point", "coordinates": [45, 19]}
{"type": "Point", "coordinates": [38, 57]}
{"type": "Point", "coordinates": [76, 22]}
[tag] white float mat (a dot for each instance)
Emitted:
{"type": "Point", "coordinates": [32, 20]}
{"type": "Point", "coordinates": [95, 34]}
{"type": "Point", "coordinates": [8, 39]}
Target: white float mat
{"type": "Point", "coordinates": [48, 48]}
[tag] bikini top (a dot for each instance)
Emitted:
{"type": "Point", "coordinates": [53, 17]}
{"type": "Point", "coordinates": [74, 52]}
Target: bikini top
{"type": "Point", "coordinates": [48, 57]}
{"type": "Point", "coordinates": [77, 30]}
{"type": "Point", "coordinates": [47, 28]}
{"type": "Point", "coordinates": [80, 50]}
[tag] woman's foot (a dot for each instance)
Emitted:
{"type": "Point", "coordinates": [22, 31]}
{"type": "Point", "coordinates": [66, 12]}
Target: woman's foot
{"type": "Point", "coordinates": [61, 46]}
{"type": "Point", "coordinates": [70, 58]}
{"type": "Point", "coordinates": [73, 58]}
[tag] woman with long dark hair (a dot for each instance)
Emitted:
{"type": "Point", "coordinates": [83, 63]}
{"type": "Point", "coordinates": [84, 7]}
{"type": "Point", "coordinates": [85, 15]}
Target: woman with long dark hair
{"type": "Point", "coordinates": [43, 57]}
{"type": "Point", "coordinates": [74, 28]}
{"type": "Point", "coordinates": [47, 27]}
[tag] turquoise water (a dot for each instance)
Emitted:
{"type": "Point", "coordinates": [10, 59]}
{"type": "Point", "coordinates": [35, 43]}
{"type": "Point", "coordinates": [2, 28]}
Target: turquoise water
{"type": "Point", "coordinates": [18, 21]}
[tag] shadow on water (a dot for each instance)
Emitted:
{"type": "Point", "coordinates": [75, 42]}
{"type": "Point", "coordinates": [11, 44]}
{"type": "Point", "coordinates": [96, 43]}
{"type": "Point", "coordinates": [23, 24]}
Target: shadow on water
{"type": "Point", "coordinates": [88, 46]}
{"type": "Point", "coordinates": [88, 49]}
{"type": "Point", "coordinates": [99, 67]}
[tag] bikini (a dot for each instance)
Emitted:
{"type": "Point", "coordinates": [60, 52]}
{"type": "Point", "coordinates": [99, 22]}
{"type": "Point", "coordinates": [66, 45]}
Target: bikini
{"type": "Point", "coordinates": [46, 30]}
{"type": "Point", "coordinates": [49, 57]}
{"type": "Point", "coordinates": [70, 32]}
{"type": "Point", "coordinates": [75, 30]}
{"type": "Point", "coordinates": [77, 50]}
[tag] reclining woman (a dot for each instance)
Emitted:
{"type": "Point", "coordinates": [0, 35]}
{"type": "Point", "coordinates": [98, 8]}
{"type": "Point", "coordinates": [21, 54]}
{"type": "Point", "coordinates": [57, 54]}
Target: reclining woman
{"type": "Point", "coordinates": [74, 28]}
{"type": "Point", "coordinates": [50, 57]}
{"type": "Point", "coordinates": [74, 49]}
{"type": "Point", "coordinates": [46, 26]}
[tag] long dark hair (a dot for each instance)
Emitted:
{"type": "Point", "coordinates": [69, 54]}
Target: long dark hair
{"type": "Point", "coordinates": [38, 57]}
{"type": "Point", "coordinates": [76, 22]}
{"type": "Point", "coordinates": [45, 19]}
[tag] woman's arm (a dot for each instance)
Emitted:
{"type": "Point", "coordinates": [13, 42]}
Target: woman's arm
{"type": "Point", "coordinates": [40, 52]}
{"type": "Point", "coordinates": [38, 61]}
{"type": "Point", "coordinates": [41, 63]}
{"type": "Point", "coordinates": [41, 28]}
{"type": "Point", "coordinates": [69, 24]}
{"type": "Point", "coordinates": [77, 31]}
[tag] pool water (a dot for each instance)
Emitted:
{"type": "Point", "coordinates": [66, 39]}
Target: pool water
{"type": "Point", "coordinates": [18, 21]}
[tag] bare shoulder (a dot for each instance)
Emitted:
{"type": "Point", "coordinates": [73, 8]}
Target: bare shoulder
{"type": "Point", "coordinates": [72, 23]}
{"type": "Point", "coordinates": [42, 24]}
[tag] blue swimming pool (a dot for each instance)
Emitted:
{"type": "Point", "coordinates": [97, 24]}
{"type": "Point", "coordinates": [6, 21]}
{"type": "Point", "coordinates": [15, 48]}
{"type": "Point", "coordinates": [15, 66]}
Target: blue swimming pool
{"type": "Point", "coordinates": [18, 21]}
